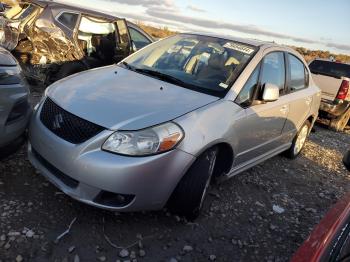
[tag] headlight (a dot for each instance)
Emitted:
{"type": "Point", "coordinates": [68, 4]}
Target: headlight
{"type": "Point", "coordinates": [148, 141]}
{"type": "Point", "coordinates": [10, 76]}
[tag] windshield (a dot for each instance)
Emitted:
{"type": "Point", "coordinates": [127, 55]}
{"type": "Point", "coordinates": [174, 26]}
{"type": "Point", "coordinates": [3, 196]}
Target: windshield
{"type": "Point", "coordinates": [201, 63]}
{"type": "Point", "coordinates": [330, 68]}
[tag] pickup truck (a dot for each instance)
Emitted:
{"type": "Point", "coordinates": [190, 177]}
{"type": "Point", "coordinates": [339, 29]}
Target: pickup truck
{"type": "Point", "coordinates": [333, 79]}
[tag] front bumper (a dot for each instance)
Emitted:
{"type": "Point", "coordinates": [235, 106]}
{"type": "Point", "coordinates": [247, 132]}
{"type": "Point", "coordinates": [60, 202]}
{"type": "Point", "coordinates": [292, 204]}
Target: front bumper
{"type": "Point", "coordinates": [14, 98]}
{"type": "Point", "coordinates": [333, 109]}
{"type": "Point", "coordinates": [105, 180]}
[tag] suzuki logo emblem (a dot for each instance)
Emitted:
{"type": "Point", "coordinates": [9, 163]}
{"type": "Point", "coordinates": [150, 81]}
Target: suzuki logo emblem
{"type": "Point", "coordinates": [56, 124]}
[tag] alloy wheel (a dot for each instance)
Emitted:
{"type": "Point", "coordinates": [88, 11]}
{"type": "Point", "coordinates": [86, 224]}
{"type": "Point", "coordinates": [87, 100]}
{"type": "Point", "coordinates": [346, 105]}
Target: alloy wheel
{"type": "Point", "coordinates": [300, 141]}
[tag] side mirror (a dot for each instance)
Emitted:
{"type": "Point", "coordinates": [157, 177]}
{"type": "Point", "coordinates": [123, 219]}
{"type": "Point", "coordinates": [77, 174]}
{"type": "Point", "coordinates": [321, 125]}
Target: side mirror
{"type": "Point", "coordinates": [271, 92]}
{"type": "Point", "coordinates": [346, 160]}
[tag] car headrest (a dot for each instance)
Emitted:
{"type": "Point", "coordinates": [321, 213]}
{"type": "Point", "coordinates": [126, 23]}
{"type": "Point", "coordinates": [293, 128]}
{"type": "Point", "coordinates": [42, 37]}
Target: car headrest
{"type": "Point", "coordinates": [216, 61]}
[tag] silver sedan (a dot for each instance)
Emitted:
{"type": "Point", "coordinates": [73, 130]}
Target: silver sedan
{"type": "Point", "coordinates": [157, 128]}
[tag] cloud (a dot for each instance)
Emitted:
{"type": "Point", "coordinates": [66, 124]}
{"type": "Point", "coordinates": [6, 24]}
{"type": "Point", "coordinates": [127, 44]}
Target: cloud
{"type": "Point", "coordinates": [338, 46]}
{"type": "Point", "coordinates": [195, 9]}
{"type": "Point", "coordinates": [167, 13]}
{"type": "Point", "coordinates": [168, 4]}
{"type": "Point", "coordinates": [211, 24]}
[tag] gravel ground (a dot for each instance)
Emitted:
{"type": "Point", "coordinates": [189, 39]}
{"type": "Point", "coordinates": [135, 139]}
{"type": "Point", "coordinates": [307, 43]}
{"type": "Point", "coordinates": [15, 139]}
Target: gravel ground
{"type": "Point", "coordinates": [263, 214]}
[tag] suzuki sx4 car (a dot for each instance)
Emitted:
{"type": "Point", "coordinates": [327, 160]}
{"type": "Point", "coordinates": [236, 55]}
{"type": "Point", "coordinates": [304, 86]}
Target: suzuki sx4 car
{"type": "Point", "coordinates": [157, 128]}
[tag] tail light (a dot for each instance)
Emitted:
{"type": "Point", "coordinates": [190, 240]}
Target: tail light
{"type": "Point", "coordinates": [343, 90]}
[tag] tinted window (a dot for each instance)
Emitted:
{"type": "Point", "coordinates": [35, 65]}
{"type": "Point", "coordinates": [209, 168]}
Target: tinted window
{"type": "Point", "coordinates": [68, 19]}
{"type": "Point", "coordinates": [274, 70]}
{"type": "Point", "coordinates": [138, 39]}
{"type": "Point", "coordinates": [297, 73]}
{"type": "Point", "coordinates": [330, 68]}
{"type": "Point", "coordinates": [245, 97]}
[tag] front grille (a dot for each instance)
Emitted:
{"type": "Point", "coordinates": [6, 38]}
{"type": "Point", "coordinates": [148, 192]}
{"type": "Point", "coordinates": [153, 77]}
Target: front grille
{"type": "Point", "coordinates": [67, 180]}
{"type": "Point", "coordinates": [66, 125]}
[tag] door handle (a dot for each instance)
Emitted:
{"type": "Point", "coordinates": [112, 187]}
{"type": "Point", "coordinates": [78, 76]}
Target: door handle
{"type": "Point", "coordinates": [284, 109]}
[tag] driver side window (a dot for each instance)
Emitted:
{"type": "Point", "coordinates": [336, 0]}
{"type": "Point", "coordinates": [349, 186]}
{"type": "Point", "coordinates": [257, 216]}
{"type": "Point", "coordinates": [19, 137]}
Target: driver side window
{"type": "Point", "coordinates": [273, 70]}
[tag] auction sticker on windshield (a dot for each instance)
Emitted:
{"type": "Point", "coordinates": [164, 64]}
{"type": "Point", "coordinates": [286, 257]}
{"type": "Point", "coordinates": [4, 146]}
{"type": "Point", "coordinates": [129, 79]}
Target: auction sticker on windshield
{"type": "Point", "coordinates": [240, 48]}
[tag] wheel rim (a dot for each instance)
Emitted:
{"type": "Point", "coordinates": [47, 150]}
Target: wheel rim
{"type": "Point", "coordinates": [212, 160]}
{"type": "Point", "coordinates": [300, 141]}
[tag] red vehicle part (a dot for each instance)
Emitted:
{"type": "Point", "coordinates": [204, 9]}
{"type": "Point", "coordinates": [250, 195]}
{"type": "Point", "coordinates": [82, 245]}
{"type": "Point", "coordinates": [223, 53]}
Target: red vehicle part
{"type": "Point", "coordinates": [322, 242]}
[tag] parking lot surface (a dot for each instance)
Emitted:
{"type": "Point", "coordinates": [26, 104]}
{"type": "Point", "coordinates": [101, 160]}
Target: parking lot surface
{"type": "Point", "coordinates": [263, 214]}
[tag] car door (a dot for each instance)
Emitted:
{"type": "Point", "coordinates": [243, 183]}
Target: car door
{"type": "Point", "coordinates": [298, 94]}
{"type": "Point", "coordinates": [260, 129]}
{"type": "Point", "coordinates": [123, 48]}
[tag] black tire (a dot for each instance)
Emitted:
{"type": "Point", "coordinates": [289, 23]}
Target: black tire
{"type": "Point", "coordinates": [291, 152]}
{"type": "Point", "coordinates": [189, 195]}
{"type": "Point", "coordinates": [339, 123]}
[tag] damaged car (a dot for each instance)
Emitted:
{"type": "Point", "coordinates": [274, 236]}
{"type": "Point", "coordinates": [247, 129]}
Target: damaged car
{"type": "Point", "coordinates": [53, 40]}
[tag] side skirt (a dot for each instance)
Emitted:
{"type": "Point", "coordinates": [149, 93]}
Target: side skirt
{"type": "Point", "coordinates": [255, 161]}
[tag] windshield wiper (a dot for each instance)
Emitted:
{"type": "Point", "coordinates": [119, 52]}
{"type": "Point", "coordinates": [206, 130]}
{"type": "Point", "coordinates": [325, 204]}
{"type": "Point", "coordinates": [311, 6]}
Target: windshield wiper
{"type": "Point", "coordinates": [161, 76]}
{"type": "Point", "coordinates": [130, 67]}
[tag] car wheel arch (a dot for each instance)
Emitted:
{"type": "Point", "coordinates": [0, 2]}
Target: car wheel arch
{"type": "Point", "coordinates": [223, 165]}
{"type": "Point", "coordinates": [224, 160]}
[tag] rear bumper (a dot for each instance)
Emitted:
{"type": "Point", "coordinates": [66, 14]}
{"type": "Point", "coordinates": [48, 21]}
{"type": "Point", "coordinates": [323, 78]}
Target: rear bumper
{"type": "Point", "coordinates": [332, 109]}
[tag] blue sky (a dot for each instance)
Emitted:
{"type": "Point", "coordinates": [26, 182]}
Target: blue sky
{"type": "Point", "coordinates": [313, 24]}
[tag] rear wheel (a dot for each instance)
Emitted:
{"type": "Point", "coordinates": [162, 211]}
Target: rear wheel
{"type": "Point", "coordinates": [299, 141]}
{"type": "Point", "coordinates": [339, 123]}
{"type": "Point", "coordinates": [189, 195]}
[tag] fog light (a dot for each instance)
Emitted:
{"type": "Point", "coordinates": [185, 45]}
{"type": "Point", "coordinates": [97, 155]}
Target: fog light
{"type": "Point", "coordinates": [113, 199]}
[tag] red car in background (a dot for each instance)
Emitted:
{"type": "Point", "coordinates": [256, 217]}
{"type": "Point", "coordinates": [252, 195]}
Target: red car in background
{"type": "Point", "coordinates": [330, 240]}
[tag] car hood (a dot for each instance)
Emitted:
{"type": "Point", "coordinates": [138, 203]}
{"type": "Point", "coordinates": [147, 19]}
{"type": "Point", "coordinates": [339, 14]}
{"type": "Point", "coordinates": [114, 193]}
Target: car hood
{"type": "Point", "coordinates": [117, 98]}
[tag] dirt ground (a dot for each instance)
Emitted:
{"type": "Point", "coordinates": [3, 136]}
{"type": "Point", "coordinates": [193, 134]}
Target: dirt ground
{"type": "Point", "coordinates": [238, 222]}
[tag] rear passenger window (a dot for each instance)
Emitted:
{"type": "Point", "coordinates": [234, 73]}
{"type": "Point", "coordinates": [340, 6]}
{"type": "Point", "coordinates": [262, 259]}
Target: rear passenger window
{"type": "Point", "coordinates": [298, 78]}
{"type": "Point", "coordinates": [69, 20]}
{"type": "Point", "coordinates": [273, 71]}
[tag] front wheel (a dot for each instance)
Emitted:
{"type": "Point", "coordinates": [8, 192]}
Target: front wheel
{"type": "Point", "coordinates": [189, 195]}
{"type": "Point", "coordinates": [299, 141]}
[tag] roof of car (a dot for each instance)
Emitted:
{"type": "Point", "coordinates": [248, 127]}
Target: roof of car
{"type": "Point", "coordinates": [330, 60]}
{"type": "Point", "coordinates": [83, 10]}
{"type": "Point", "coordinates": [252, 42]}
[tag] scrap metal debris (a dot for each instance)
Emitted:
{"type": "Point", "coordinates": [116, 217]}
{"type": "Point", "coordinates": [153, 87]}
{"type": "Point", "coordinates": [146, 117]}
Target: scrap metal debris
{"type": "Point", "coordinates": [278, 209]}
{"type": "Point", "coordinates": [122, 247]}
{"type": "Point", "coordinates": [67, 231]}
